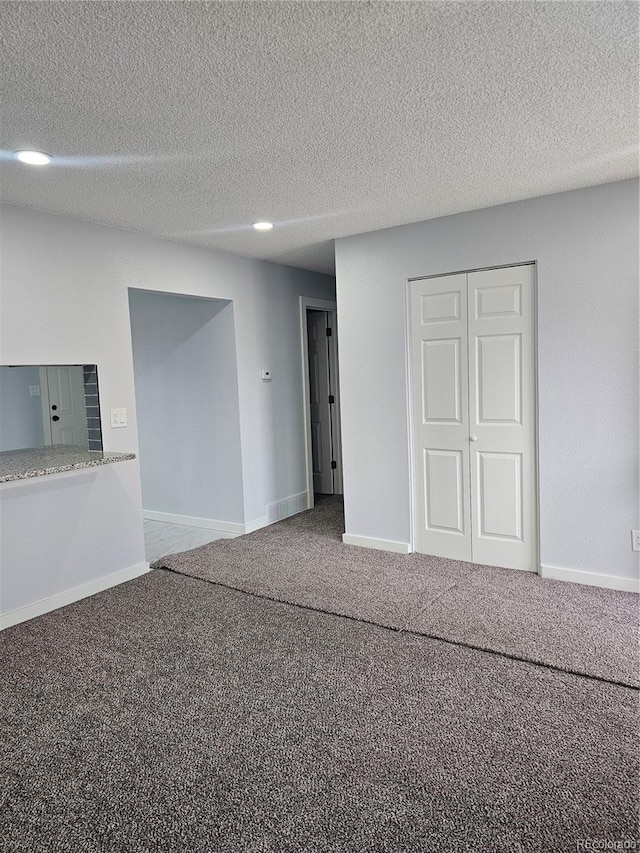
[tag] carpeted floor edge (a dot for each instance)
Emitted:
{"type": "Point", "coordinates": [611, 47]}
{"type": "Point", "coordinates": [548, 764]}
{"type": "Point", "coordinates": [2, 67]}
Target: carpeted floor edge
{"type": "Point", "coordinates": [157, 566]}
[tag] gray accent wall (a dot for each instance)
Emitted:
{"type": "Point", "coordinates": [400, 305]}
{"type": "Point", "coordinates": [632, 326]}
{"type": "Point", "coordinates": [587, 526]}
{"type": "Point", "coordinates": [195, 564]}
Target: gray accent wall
{"type": "Point", "coordinates": [585, 245]}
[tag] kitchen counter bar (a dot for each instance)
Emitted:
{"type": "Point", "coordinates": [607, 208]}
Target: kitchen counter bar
{"type": "Point", "coordinates": [40, 461]}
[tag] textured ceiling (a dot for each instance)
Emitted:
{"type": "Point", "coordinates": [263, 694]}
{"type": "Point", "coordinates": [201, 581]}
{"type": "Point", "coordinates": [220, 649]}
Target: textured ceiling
{"type": "Point", "coordinates": [191, 120]}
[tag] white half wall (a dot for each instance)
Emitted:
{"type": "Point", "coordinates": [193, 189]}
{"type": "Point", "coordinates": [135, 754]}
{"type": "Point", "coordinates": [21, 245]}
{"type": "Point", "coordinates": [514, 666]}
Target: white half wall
{"type": "Point", "coordinates": [184, 358]}
{"type": "Point", "coordinates": [585, 244]}
{"type": "Point", "coordinates": [67, 531]}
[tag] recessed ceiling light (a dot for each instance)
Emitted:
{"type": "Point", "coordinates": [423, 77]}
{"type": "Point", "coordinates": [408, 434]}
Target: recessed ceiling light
{"type": "Point", "coordinates": [33, 158]}
{"type": "Point", "coordinates": [263, 226]}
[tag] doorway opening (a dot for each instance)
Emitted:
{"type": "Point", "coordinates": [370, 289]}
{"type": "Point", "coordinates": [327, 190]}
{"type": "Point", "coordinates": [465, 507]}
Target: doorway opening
{"type": "Point", "coordinates": [186, 384]}
{"type": "Point", "coordinates": [321, 395]}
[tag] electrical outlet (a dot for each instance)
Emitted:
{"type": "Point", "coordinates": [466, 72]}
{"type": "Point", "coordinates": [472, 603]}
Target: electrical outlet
{"type": "Point", "coordinates": [635, 540]}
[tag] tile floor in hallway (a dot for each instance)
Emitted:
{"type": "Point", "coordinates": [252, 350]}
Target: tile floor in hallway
{"type": "Point", "coordinates": [162, 538]}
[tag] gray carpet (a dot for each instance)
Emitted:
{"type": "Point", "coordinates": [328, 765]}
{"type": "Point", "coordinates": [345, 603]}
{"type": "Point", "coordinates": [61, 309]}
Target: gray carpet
{"type": "Point", "coordinates": [303, 561]}
{"type": "Point", "coordinates": [176, 716]}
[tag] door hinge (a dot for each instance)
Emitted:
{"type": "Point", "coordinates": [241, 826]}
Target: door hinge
{"type": "Point", "coordinates": [334, 464]}
{"type": "Point", "coordinates": [329, 332]}
{"type": "Point", "coordinates": [332, 399]}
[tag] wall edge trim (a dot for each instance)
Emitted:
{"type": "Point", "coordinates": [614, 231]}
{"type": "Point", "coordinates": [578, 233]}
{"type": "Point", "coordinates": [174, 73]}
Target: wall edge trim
{"type": "Point", "coordinates": [256, 524]}
{"type": "Point", "coordinates": [377, 544]}
{"type": "Point", "coordinates": [69, 596]}
{"type": "Point", "coordinates": [194, 521]}
{"type": "Point", "coordinates": [590, 578]}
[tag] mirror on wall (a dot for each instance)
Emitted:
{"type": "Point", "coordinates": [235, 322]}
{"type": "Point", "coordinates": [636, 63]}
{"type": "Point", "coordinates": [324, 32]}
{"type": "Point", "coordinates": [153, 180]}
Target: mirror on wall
{"type": "Point", "coordinates": [45, 405]}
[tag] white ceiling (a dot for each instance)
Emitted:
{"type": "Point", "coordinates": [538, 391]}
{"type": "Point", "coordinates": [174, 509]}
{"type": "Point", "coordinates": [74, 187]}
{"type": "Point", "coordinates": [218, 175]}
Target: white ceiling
{"type": "Point", "coordinates": [191, 120]}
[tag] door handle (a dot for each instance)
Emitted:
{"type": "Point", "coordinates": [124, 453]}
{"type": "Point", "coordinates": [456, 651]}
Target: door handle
{"type": "Point", "coordinates": [473, 438]}
{"type": "Point", "coordinates": [55, 418]}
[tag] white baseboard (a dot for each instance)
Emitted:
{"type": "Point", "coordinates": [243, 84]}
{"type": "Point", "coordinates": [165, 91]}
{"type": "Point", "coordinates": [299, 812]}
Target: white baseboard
{"type": "Point", "coordinates": [286, 507]}
{"type": "Point", "coordinates": [590, 578]}
{"type": "Point", "coordinates": [194, 521]}
{"type": "Point", "coordinates": [256, 524]}
{"type": "Point", "coordinates": [68, 596]}
{"type": "Point", "coordinates": [277, 511]}
{"type": "Point", "coordinates": [378, 544]}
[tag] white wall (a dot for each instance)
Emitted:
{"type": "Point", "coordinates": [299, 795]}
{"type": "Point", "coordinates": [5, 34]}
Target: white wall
{"type": "Point", "coordinates": [184, 359]}
{"type": "Point", "coordinates": [64, 300]}
{"type": "Point", "coordinates": [585, 244]}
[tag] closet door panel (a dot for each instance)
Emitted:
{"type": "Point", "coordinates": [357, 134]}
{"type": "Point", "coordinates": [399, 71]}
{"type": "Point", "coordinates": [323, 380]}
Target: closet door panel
{"type": "Point", "coordinates": [502, 417]}
{"type": "Point", "coordinates": [444, 490]}
{"type": "Point", "coordinates": [499, 497]}
{"type": "Point", "coordinates": [440, 418]}
{"type": "Point", "coordinates": [498, 378]}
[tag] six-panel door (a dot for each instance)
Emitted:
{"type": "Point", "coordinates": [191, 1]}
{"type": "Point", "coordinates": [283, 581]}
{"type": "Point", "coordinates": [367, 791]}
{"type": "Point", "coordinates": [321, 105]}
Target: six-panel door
{"type": "Point", "coordinates": [473, 401]}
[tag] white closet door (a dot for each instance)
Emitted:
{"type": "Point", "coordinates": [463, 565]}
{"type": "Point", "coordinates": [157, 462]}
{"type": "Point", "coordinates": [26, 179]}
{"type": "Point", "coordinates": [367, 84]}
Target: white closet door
{"type": "Point", "coordinates": [502, 417]}
{"type": "Point", "coordinates": [440, 416]}
{"type": "Point", "coordinates": [473, 417]}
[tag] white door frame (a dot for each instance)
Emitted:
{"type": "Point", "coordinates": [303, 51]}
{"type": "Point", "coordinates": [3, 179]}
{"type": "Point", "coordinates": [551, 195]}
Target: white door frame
{"type": "Point", "coordinates": [410, 401]}
{"type": "Point", "coordinates": [44, 402]}
{"type": "Point", "coordinates": [309, 303]}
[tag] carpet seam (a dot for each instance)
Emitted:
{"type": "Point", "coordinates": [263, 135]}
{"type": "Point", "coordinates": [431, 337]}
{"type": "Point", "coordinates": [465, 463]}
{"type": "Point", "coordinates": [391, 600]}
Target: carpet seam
{"type": "Point", "coordinates": [401, 630]}
{"type": "Point", "coordinates": [427, 605]}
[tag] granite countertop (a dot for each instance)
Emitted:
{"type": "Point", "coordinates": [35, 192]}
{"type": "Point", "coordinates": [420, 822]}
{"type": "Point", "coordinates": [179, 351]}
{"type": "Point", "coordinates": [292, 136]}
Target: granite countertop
{"type": "Point", "coordinates": [39, 461]}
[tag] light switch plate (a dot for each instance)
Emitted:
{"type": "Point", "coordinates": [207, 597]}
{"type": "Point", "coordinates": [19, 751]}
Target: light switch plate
{"type": "Point", "coordinates": [265, 374]}
{"type": "Point", "coordinates": [118, 418]}
{"type": "Point", "coordinates": [34, 390]}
